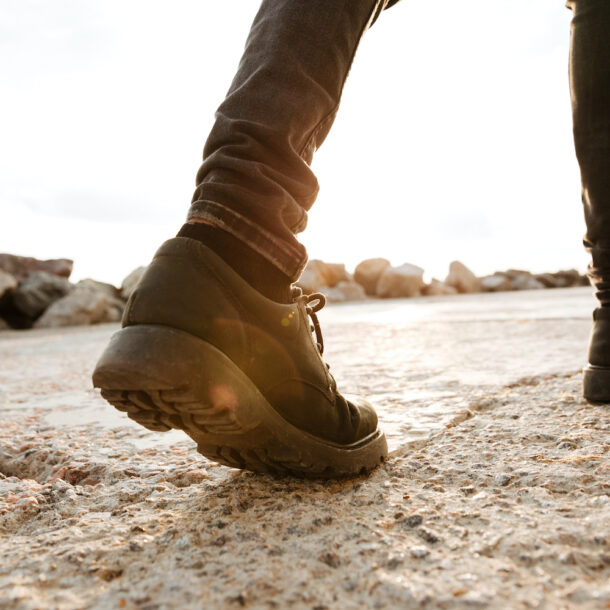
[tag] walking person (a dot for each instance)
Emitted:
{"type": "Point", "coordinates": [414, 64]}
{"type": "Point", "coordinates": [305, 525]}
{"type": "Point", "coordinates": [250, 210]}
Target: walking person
{"type": "Point", "coordinates": [215, 340]}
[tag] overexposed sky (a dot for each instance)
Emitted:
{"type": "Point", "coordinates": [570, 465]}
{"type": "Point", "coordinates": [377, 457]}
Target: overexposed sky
{"type": "Point", "coordinates": [453, 139]}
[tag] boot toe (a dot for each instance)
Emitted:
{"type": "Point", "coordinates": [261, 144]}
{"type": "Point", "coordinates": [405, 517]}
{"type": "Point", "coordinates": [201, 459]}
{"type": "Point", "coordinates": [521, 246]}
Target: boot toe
{"type": "Point", "coordinates": [366, 416]}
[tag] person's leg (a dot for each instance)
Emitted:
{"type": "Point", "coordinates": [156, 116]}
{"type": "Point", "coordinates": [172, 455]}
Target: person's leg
{"type": "Point", "coordinates": [202, 348]}
{"type": "Point", "coordinates": [255, 181]}
{"type": "Point", "coordinates": [590, 93]}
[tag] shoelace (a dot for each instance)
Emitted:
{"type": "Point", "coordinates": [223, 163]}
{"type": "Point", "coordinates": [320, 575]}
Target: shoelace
{"type": "Point", "coordinates": [318, 300]}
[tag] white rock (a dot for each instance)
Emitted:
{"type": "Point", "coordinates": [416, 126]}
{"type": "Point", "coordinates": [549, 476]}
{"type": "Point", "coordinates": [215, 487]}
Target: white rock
{"type": "Point", "coordinates": [368, 272]}
{"type": "Point", "coordinates": [95, 286]}
{"type": "Point", "coordinates": [344, 291]}
{"type": "Point", "coordinates": [318, 274]}
{"type": "Point", "coordinates": [404, 281]}
{"type": "Point", "coordinates": [496, 283]}
{"type": "Point", "coordinates": [526, 281]}
{"type": "Point", "coordinates": [462, 279]}
{"type": "Point", "coordinates": [89, 303]}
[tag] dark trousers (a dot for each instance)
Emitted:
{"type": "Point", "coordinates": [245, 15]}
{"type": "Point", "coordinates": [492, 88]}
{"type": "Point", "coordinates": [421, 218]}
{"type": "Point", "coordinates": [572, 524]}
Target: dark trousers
{"type": "Point", "coordinates": [590, 89]}
{"type": "Point", "coordinates": [255, 181]}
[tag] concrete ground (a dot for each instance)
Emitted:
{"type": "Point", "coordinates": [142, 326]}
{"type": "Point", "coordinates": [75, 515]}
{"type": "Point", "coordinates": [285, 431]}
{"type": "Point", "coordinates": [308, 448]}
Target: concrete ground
{"type": "Point", "coordinates": [495, 493]}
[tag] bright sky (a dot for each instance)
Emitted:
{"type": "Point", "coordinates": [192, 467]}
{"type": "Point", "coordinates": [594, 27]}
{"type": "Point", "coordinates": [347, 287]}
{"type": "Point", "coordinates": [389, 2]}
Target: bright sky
{"type": "Point", "coordinates": [453, 139]}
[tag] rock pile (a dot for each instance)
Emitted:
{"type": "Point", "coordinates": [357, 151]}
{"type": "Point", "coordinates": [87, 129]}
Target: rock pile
{"type": "Point", "coordinates": [38, 294]}
{"type": "Point", "coordinates": [376, 277]}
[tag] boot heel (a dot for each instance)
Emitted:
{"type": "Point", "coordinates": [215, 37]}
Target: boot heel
{"type": "Point", "coordinates": [596, 384]}
{"type": "Point", "coordinates": [165, 378]}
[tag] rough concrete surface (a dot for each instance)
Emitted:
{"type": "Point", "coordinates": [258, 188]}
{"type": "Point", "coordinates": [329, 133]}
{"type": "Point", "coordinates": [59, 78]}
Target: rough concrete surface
{"type": "Point", "coordinates": [495, 494]}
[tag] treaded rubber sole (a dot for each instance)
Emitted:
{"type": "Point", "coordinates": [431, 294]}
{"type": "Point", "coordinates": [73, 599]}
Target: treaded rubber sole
{"type": "Point", "coordinates": [596, 384]}
{"type": "Point", "coordinates": [166, 378]}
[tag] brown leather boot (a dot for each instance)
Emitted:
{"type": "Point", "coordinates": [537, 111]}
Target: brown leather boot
{"type": "Point", "coordinates": [203, 351]}
{"type": "Point", "coordinates": [596, 375]}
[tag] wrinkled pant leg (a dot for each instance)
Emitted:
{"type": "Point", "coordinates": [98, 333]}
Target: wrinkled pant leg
{"type": "Point", "coordinates": [590, 93]}
{"type": "Point", "coordinates": [255, 181]}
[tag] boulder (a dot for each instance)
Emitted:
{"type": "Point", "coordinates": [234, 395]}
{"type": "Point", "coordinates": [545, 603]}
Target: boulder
{"type": "Point", "coordinates": [335, 273]}
{"type": "Point", "coordinates": [368, 272]}
{"type": "Point", "coordinates": [548, 280]}
{"type": "Point", "coordinates": [568, 278]}
{"type": "Point", "coordinates": [310, 280]}
{"type": "Point", "coordinates": [495, 283]}
{"type": "Point", "coordinates": [38, 291]}
{"type": "Point", "coordinates": [344, 291]}
{"type": "Point", "coordinates": [131, 281]}
{"type": "Point", "coordinates": [436, 288]}
{"type": "Point", "coordinates": [404, 281]}
{"type": "Point", "coordinates": [562, 279]}
{"type": "Point", "coordinates": [89, 302]}
{"type": "Point", "coordinates": [526, 281]}
{"type": "Point", "coordinates": [93, 285]}
{"type": "Point", "coordinates": [23, 266]}
{"type": "Point", "coordinates": [462, 279]}
{"type": "Point", "coordinates": [8, 282]}
{"type": "Point", "coordinates": [4, 325]}
{"type": "Point", "coordinates": [512, 273]}
{"type": "Point", "coordinates": [317, 274]}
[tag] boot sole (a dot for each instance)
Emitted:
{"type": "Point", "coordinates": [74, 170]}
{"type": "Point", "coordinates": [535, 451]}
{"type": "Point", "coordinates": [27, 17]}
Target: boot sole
{"type": "Point", "coordinates": [596, 384]}
{"type": "Point", "coordinates": [166, 378]}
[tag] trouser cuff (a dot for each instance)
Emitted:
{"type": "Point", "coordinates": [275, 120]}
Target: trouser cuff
{"type": "Point", "coordinates": [289, 257]}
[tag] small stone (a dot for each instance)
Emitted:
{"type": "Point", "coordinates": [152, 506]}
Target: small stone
{"type": "Point", "coordinates": [330, 559]}
{"type": "Point", "coordinates": [109, 574]}
{"type": "Point", "coordinates": [220, 541]}
{"type": "Point", "coordinates": [394, 562]}
{"type": "Point", "coordinates": [428, 535]}
{"type": "Point", "coordinates": [183, 543]}
{"type": "Point", "coordinates": [502, 479]}
{"type": "Point", "coordinates": [240, 599]}
{"type": "Point", "coordinates": [419, 552]}
{"type": "Point", "coordinates": [413, 520]}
